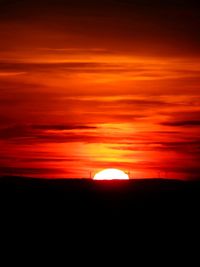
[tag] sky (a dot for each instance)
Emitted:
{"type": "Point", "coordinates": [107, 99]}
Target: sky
{"type": "Point", "coordinates": [87, 85]}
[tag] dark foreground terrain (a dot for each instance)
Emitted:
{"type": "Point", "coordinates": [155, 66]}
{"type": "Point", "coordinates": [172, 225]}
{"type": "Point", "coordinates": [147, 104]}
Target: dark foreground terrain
{"type": "Point", "coordinates": [88, 199]}
{"type": "Point", "coordinates": [147, 212]}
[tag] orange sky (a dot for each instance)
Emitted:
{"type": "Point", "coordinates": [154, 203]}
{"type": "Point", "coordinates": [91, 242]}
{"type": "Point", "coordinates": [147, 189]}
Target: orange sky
{"type": "Point", "coordinates": [86, 88]}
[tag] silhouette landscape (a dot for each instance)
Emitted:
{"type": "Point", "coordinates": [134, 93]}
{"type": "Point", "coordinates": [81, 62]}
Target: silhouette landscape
{"type": "Point", "coordinates": [83, 213]}
{"type": "Point", "coordinates": [150, 198]}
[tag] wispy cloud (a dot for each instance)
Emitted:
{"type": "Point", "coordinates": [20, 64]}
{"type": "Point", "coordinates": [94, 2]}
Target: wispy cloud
{"type": "Point", "coordinates": [189, 118]}
{"type": "Point", "coordinates": [28, 171]}
{"type": "Point", "coordinates": [103, 67]}
{"type": "Point", "coordinates": [183, 123]}
{"type": "Point", "coordinates": [53, 133]}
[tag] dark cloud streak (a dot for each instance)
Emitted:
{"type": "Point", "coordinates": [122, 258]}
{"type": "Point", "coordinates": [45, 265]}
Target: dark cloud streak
{"type": "Point", "coordinates": [183, 123]}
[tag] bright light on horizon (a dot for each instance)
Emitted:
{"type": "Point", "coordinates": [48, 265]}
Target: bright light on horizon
{"type": "Point", "coordinates": [111, 174]}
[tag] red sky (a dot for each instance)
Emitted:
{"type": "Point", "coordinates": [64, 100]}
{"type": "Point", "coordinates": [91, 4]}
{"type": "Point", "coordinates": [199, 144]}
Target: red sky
{"type": "Point", "coordinates": [86, 87]}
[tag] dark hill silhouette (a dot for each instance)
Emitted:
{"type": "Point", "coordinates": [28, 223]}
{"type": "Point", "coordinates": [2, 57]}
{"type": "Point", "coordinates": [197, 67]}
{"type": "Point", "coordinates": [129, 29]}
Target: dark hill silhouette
{"type": "Point", "coordinates": [80, 211]}
{"type": "Point", "coordinates": [66, 197]}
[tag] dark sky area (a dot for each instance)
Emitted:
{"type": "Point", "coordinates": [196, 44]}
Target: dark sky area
{"type": "Point", "coordinates": [147, 27]}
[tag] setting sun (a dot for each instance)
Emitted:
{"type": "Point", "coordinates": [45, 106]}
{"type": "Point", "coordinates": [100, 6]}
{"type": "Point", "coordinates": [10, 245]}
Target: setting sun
{"type": "Point", "coordinates": [111, 174]}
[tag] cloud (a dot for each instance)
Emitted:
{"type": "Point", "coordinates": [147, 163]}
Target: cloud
{"type": "Point", "coordinates": [42, 133]}
{"type": "Point", "coordinates": [184, 118]}
{"type": "Point", "coordinates": [49, 159]}
{"type": "Point", "coordinates": [167, 151]}
{"type": "Point", "coordinates": [10, 73]}
{"type": "Point", "coordinates": [63, 65]}
{"type": "Point", "coordinates": [71, 133]}
{"type": "Point", "coordinates": [63, 127]}
{"type": "Point", "coordinates": [14, 68]}
{"type": "Point", "coordinates": [145, 102]}
{"type": "Point", "coordinates": [106, 67]}
{"type": "Point", "coordinates": [28, 171]}
{"type": "Point", "coordinates": [183, 123]}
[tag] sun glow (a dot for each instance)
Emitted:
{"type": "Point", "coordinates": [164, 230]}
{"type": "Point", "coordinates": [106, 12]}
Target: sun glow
{"type": "Point", "coordinates": [111, 174]}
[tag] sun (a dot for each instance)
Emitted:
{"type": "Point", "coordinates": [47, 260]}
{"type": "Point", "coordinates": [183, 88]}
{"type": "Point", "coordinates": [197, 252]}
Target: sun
{"type": "Point", "coordinates": [111, 174]}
